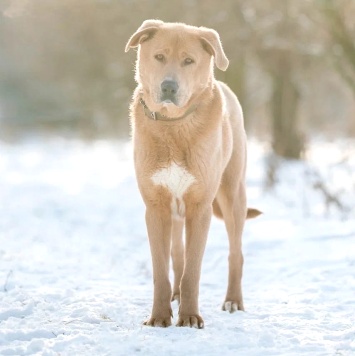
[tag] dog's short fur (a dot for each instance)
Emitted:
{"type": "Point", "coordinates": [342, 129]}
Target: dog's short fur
{"type": "Point", "coordinates": [190, 157]}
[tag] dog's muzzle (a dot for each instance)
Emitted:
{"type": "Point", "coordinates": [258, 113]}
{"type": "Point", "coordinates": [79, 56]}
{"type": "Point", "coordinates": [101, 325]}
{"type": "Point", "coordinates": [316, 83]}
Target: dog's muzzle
{"type": "Point", "coordinates": [169, 89]}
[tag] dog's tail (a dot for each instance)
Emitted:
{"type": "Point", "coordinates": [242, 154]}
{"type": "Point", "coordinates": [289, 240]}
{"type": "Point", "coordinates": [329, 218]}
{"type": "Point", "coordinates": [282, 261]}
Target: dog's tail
{"type": "Point", "coordinates": [251, 212]}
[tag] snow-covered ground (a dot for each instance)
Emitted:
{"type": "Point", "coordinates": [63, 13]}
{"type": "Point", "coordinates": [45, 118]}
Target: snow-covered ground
{"type": "Point", "coordinates": [75, 272]}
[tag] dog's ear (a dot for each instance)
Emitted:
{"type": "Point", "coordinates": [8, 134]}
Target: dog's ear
{"type": "Point", "coordinates": [144, 32]}
{"type": "Point", "coordinates": [213, 45]}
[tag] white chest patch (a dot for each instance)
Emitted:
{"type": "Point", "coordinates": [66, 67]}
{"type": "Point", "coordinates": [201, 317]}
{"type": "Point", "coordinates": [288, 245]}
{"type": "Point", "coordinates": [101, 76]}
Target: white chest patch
{"type": "Point", "coordinates": [177, 180]}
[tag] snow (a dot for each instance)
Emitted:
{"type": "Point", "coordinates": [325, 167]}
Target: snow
{"type": "Point", "coordinates": [75, 270]}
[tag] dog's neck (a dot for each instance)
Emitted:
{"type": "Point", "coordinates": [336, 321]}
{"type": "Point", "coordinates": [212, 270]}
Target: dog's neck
{"type": "Point", "coordinates": [155, 115]}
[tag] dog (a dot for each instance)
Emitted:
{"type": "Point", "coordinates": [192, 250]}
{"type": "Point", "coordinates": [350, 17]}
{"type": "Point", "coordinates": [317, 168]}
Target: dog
{"type": "Point", "coordinates": [190, 161]}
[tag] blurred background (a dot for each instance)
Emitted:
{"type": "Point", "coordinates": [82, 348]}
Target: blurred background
{"type": "Point", "coordinates": [64, 72]}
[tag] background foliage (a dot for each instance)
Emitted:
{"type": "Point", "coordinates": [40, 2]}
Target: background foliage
{"type": "Point", "coordinates": [292, 63]}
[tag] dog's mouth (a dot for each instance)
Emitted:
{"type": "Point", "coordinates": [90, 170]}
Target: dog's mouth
{"type": "Point", "coordinates": [168, 102]}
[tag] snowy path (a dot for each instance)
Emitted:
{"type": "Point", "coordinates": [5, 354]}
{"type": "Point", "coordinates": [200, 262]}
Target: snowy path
{"type": "Point", "coordinates": [75, 273]}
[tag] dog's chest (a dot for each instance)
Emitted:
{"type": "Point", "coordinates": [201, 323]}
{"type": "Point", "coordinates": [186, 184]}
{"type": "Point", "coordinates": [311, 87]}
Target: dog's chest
{"type": "Point", "coordinates": [177, 180]}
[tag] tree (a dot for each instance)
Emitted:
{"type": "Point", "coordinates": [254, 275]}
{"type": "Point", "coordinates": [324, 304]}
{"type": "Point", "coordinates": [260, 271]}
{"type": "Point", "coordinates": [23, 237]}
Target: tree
{"type": "Point", "coordinates": [280, 28]}
{"type": "Point", "coordinates": [338, 19]}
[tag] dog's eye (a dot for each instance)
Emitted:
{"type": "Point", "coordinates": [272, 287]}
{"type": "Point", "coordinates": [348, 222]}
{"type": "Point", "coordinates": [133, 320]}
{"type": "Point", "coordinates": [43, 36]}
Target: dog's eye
{"type": "Point", "coordinates": [159, 57]}
{"type": "Point", "coordinates": [188, 61]}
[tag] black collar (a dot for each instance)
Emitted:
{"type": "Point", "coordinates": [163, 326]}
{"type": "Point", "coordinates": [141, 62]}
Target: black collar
{"type": "Point", "coordinates": [154, 115]}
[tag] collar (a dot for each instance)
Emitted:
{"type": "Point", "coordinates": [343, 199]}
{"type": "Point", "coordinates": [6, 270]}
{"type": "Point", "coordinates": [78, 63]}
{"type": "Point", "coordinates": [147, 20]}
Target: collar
{"type": "Point", "coordinates": [154, 115]}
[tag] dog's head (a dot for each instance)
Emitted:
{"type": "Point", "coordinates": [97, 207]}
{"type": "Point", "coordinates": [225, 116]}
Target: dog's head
{"type": "Point", "coordinates": [175, 61]}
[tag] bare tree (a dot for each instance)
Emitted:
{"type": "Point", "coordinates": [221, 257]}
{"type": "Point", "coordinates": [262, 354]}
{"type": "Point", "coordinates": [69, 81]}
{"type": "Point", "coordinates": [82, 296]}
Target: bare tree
{"type": "Point", "coordinates": [339, 20]}
{"type": "Point", "coordinates": [62, 61]}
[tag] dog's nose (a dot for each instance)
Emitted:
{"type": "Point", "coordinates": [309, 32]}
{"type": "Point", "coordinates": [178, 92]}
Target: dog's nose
{"type": "Point", "coordinates": [169, 89]}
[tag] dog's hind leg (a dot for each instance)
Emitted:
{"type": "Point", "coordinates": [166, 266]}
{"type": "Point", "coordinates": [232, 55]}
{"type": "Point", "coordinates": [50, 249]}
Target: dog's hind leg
{"type": "Point", "coordinates": [217, 212]}
{"type": "Point", "coordinates": [234, 210]}
{"type": "Point", "coordinates": [177, 256]}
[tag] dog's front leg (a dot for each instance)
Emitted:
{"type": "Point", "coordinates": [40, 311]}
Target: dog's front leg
{"type": "Point", "coordinates": [177, 256]}
{"type": "Point", "coordinates": [159, 233]}
{"type": "Point", "coordinates": [198, 220]}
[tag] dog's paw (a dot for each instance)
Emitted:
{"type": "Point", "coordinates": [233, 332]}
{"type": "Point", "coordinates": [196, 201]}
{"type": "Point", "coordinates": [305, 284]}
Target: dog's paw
{"type": "Point", "coordinates": [158, 322]}
{"type": "Point", "coordinates": [232, 306]}
{"type": "Point", "coordinates": [192, 321]}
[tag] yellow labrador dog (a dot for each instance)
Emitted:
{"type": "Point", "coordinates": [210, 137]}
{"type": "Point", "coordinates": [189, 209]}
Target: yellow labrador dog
{"type": "Point", "coordinates": [190, 157]}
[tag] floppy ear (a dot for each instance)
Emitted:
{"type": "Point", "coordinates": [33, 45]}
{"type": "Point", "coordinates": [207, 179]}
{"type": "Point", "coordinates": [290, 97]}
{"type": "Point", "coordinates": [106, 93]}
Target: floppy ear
{"type": "Point", "coordinates": [212, 44]}
{"type": "Point", "coordinates": [144, 32]}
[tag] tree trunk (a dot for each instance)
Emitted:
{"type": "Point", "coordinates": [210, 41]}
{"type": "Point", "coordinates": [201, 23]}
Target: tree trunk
{"type": "Point", "coordinates": [286, 139]}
